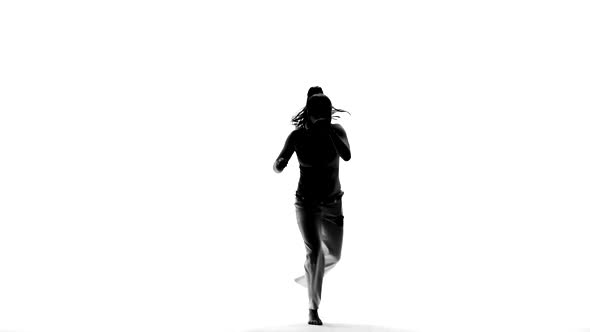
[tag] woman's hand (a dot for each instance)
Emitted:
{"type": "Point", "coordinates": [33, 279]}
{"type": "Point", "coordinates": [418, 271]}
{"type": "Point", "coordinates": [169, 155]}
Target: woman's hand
{"type": "Point", "coordinates": [280, 165]}
{"type": "Point", "coordinates": [322, 126]}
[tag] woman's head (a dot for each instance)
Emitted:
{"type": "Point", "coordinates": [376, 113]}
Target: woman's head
{"type": "Point", "coordinates": [317, 106]}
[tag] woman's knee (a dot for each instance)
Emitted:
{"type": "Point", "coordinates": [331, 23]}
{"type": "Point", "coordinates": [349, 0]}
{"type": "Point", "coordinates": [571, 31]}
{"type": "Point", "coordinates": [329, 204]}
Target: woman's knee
{"type": "Point", "coordinates": [335, 256]}
{"type": "Point", "coordinates": [314, 254]}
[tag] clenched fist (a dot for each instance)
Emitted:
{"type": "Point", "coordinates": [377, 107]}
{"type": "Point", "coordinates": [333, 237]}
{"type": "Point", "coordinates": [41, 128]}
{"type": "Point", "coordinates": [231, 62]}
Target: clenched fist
{"type": "Point", "coordinates": [280, 164]}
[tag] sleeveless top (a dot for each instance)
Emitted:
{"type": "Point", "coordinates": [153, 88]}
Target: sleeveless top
{"type": "Point", "coordinates": [318, 166]}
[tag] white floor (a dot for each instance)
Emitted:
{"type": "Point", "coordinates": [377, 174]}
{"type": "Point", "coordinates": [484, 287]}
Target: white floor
{"type": "Point", "coordinates": [326, 328]}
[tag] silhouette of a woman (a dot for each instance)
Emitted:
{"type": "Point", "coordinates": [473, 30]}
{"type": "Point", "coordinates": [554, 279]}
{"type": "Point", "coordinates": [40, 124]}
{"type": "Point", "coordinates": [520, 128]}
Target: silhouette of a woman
{"type": "Point", "coordinates": [319, 145]}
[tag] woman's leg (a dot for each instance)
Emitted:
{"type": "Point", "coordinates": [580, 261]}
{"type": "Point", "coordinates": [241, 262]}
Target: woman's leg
{"type": "Point", "coordinates": [309, 219]}
{"type": "Point", "coordinates": [332, 227]}
{"type": "Point", "coordinates": [331, 236]}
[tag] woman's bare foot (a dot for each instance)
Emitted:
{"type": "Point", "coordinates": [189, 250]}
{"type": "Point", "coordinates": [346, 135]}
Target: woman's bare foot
{"type": "Point", "coordinates": [314, 319]}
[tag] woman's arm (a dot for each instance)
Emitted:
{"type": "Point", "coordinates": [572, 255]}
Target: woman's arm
{"type": "Point", "coordinates": [285, 154]}
{"type": "Point", "coordinates": [340, 141]}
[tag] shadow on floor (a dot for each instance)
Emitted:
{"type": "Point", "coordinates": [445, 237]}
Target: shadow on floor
{"type": "Point", "coordinates": [327, 327]}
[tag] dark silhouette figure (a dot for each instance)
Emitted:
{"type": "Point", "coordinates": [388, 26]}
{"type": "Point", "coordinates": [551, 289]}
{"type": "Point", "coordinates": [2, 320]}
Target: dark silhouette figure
{"type": "Point", "coordinates": [319, 145]}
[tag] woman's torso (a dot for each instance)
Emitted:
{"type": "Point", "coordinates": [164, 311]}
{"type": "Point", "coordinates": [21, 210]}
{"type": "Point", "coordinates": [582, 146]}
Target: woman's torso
{"type": "Point", "coordinates": [318, 165]}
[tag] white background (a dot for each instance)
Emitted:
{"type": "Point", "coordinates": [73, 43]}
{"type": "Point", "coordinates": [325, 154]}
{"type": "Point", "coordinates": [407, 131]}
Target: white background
{"type": "Point", "coordinates": [137, 141]}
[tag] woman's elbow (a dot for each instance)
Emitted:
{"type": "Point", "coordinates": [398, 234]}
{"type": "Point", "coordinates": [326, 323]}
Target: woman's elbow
{"type": "Point", "coordinates": [346, 157]}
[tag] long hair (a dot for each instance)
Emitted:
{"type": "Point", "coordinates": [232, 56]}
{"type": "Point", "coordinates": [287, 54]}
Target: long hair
{"type": "Point", "coordinates": [302, 117]}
